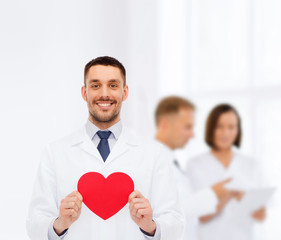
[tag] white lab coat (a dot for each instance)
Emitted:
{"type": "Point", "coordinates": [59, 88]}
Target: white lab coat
{"type": "Point", "coordinates": [65, 161]}
{"type": "Point", "coordinates": [194, 203]}
{"type": "Point", "coordinates": [204, 171]}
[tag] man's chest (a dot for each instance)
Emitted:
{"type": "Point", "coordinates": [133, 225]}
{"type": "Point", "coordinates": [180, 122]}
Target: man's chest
{"type": "Point", "coordinates": [74, 164]}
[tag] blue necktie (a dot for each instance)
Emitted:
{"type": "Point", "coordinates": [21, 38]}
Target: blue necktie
{"type": "Point", "coordinates": [103, 146]}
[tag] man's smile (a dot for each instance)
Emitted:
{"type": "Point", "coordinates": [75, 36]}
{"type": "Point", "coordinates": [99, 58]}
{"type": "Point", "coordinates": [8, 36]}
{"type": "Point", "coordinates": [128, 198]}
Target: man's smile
{"type": "Point", "coordinates": [105, 105]}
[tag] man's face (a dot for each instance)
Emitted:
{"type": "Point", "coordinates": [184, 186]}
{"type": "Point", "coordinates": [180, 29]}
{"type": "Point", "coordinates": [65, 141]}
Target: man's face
{"type": "Point", "coordinates": [181, 127]}
{"type": "Point", "coordinates": [104, 93]}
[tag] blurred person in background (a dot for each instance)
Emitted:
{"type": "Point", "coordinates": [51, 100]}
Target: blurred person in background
{"type": "Point", "coordinates": [223, 132]}
{"type": "Point", "coordinates": [174, 118]}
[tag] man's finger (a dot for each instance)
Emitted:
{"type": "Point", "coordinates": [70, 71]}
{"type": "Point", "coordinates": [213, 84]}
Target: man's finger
{"type": "Point", "coordinates": [74, 199]}
{"type": "Point", "coordinates": [135, 194]}
{"type": "Point", "coordinates": [77, 194]}
{"type": "Point", "coordinates": [71, 205]}
{"type": "Point", "coordinates": [68, 212]}
{"type": "Point", "coordinates": [140, 205]}
{"type": "Point", "coordinates": [143, 211]}
{"type": "Point", "coordinates": [133, 210]}
{"type": "Point", "coordinates": [137, 200]}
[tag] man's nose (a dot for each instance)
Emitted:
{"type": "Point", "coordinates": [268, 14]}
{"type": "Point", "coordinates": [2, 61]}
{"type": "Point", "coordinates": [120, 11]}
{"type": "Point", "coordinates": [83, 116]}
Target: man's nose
{"type": "Point", "coordinates": [104, 91]}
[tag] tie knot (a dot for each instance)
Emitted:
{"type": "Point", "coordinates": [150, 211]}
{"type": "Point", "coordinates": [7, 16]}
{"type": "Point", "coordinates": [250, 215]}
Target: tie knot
{"type": "Point", "coordinates": [103, 134]}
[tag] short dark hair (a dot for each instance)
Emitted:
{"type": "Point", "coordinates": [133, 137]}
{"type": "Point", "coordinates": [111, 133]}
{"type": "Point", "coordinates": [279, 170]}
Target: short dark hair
{"type": "Point", "coordinates": [170, 105]}
{"type": "Point", "coordinates": [105, 61]}
{"type": "Point", "coordinates": [212, 121]}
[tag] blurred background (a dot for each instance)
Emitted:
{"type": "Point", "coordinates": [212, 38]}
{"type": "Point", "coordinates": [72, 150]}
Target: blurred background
{"type": "Point", "coordinates": [207, 51]}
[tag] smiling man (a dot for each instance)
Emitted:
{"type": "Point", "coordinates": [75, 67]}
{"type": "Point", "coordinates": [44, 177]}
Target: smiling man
{"type": "Point", "coordinates": [104, 107]}
{"type": "Point", "coordinates": [104, 146]}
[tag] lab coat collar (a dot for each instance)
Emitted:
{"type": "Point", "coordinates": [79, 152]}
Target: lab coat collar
{"type": "Point", "coordinates": [92, 129]}
{"type": "Point", "coordinates": [125, 142]}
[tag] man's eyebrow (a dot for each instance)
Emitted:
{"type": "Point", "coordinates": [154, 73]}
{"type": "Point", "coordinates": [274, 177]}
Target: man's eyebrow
{"type": "Point", "coordinates": [111, 80]}
{"type": "Point", "coordinates": [114, 80]}
{"type": "Point", "coordinates": [93, 80]}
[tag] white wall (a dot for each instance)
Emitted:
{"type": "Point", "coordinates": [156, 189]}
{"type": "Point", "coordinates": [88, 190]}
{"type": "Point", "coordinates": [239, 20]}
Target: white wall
{"type": "Point", "coordinates": [208, 51]}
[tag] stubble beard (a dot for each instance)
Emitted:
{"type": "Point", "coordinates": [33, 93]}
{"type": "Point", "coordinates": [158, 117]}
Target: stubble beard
{"type": "Point", "coordinates": [103, 119]}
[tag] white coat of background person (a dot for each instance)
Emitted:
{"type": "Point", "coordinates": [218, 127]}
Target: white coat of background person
{"type": "Point", "coordinates": [56, 209]}
{"type": "Point", "coordinates": [175, 120]}
{"type": "Point", "coordinates": [223, 131]}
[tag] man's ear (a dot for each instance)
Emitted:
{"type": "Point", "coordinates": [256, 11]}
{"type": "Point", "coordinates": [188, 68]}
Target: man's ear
{"type": "Point", "coordinates": [84, 93]}
{"type": "Point", "coordinates": [167, 121]}
{"type": "Point", "coordinates": [162, 122]}
{"type": "Point", "coordinates": [126, 93]}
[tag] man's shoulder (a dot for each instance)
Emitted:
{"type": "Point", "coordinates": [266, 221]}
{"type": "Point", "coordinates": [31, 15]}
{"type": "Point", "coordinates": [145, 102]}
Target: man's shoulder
{"type": "Point", "coordinates": [71, 139]}
{"type": "Point", "coordinates": [159, 152]}
{"type": "Point", "coordinates": [151, 143]}
{"type": "Point", "coordinates": [198, 161]}
{"type": "Point", "coordinates": [147, 144]}
{"type": "Point", "coordinates": [203, 157]}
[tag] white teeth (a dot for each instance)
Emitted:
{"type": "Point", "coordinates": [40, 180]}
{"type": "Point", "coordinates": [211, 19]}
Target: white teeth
{"type": "Point", "coordinates": [104, 104]}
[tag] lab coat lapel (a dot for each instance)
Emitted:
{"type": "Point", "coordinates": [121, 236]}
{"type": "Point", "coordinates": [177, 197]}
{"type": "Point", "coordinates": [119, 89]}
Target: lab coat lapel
{"type": "Point", "coordinates": [84, 142]}
{"type": "Point", "coordinates": [90, 147]}
{"type": "Point", "coordinates": [126, 141]}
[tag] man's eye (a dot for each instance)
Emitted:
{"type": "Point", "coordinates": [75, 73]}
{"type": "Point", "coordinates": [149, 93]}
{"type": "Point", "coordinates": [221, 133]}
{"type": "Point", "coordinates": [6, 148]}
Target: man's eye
{"type": "Point", "coordinates": [94, 86]}
{"type": "Point", "coordinates": [113, 85]}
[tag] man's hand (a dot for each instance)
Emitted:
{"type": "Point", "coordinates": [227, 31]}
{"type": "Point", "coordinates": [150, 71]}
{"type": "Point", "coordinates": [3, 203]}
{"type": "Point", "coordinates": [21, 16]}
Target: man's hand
{"type": "Point", "coordinates": [70, 210]}
{"type": "Point", "coordinates": [259, 215]}
{"type": "Point", "coordinates": [141, 212]}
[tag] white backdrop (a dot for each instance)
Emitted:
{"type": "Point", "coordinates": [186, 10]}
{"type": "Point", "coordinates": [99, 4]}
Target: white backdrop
{"type": "Point", "coordinates": [208, 51]}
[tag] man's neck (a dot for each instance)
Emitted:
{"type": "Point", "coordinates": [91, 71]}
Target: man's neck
{"type": "Point", "coordinates": [104, 125]}
{"type": "Point", "coordinates": [163, 140]}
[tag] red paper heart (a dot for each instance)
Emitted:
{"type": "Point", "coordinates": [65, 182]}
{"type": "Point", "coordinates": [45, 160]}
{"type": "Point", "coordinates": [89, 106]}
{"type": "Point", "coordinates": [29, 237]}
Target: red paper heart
{"type": "Point", "coordinates": [105, 196]}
